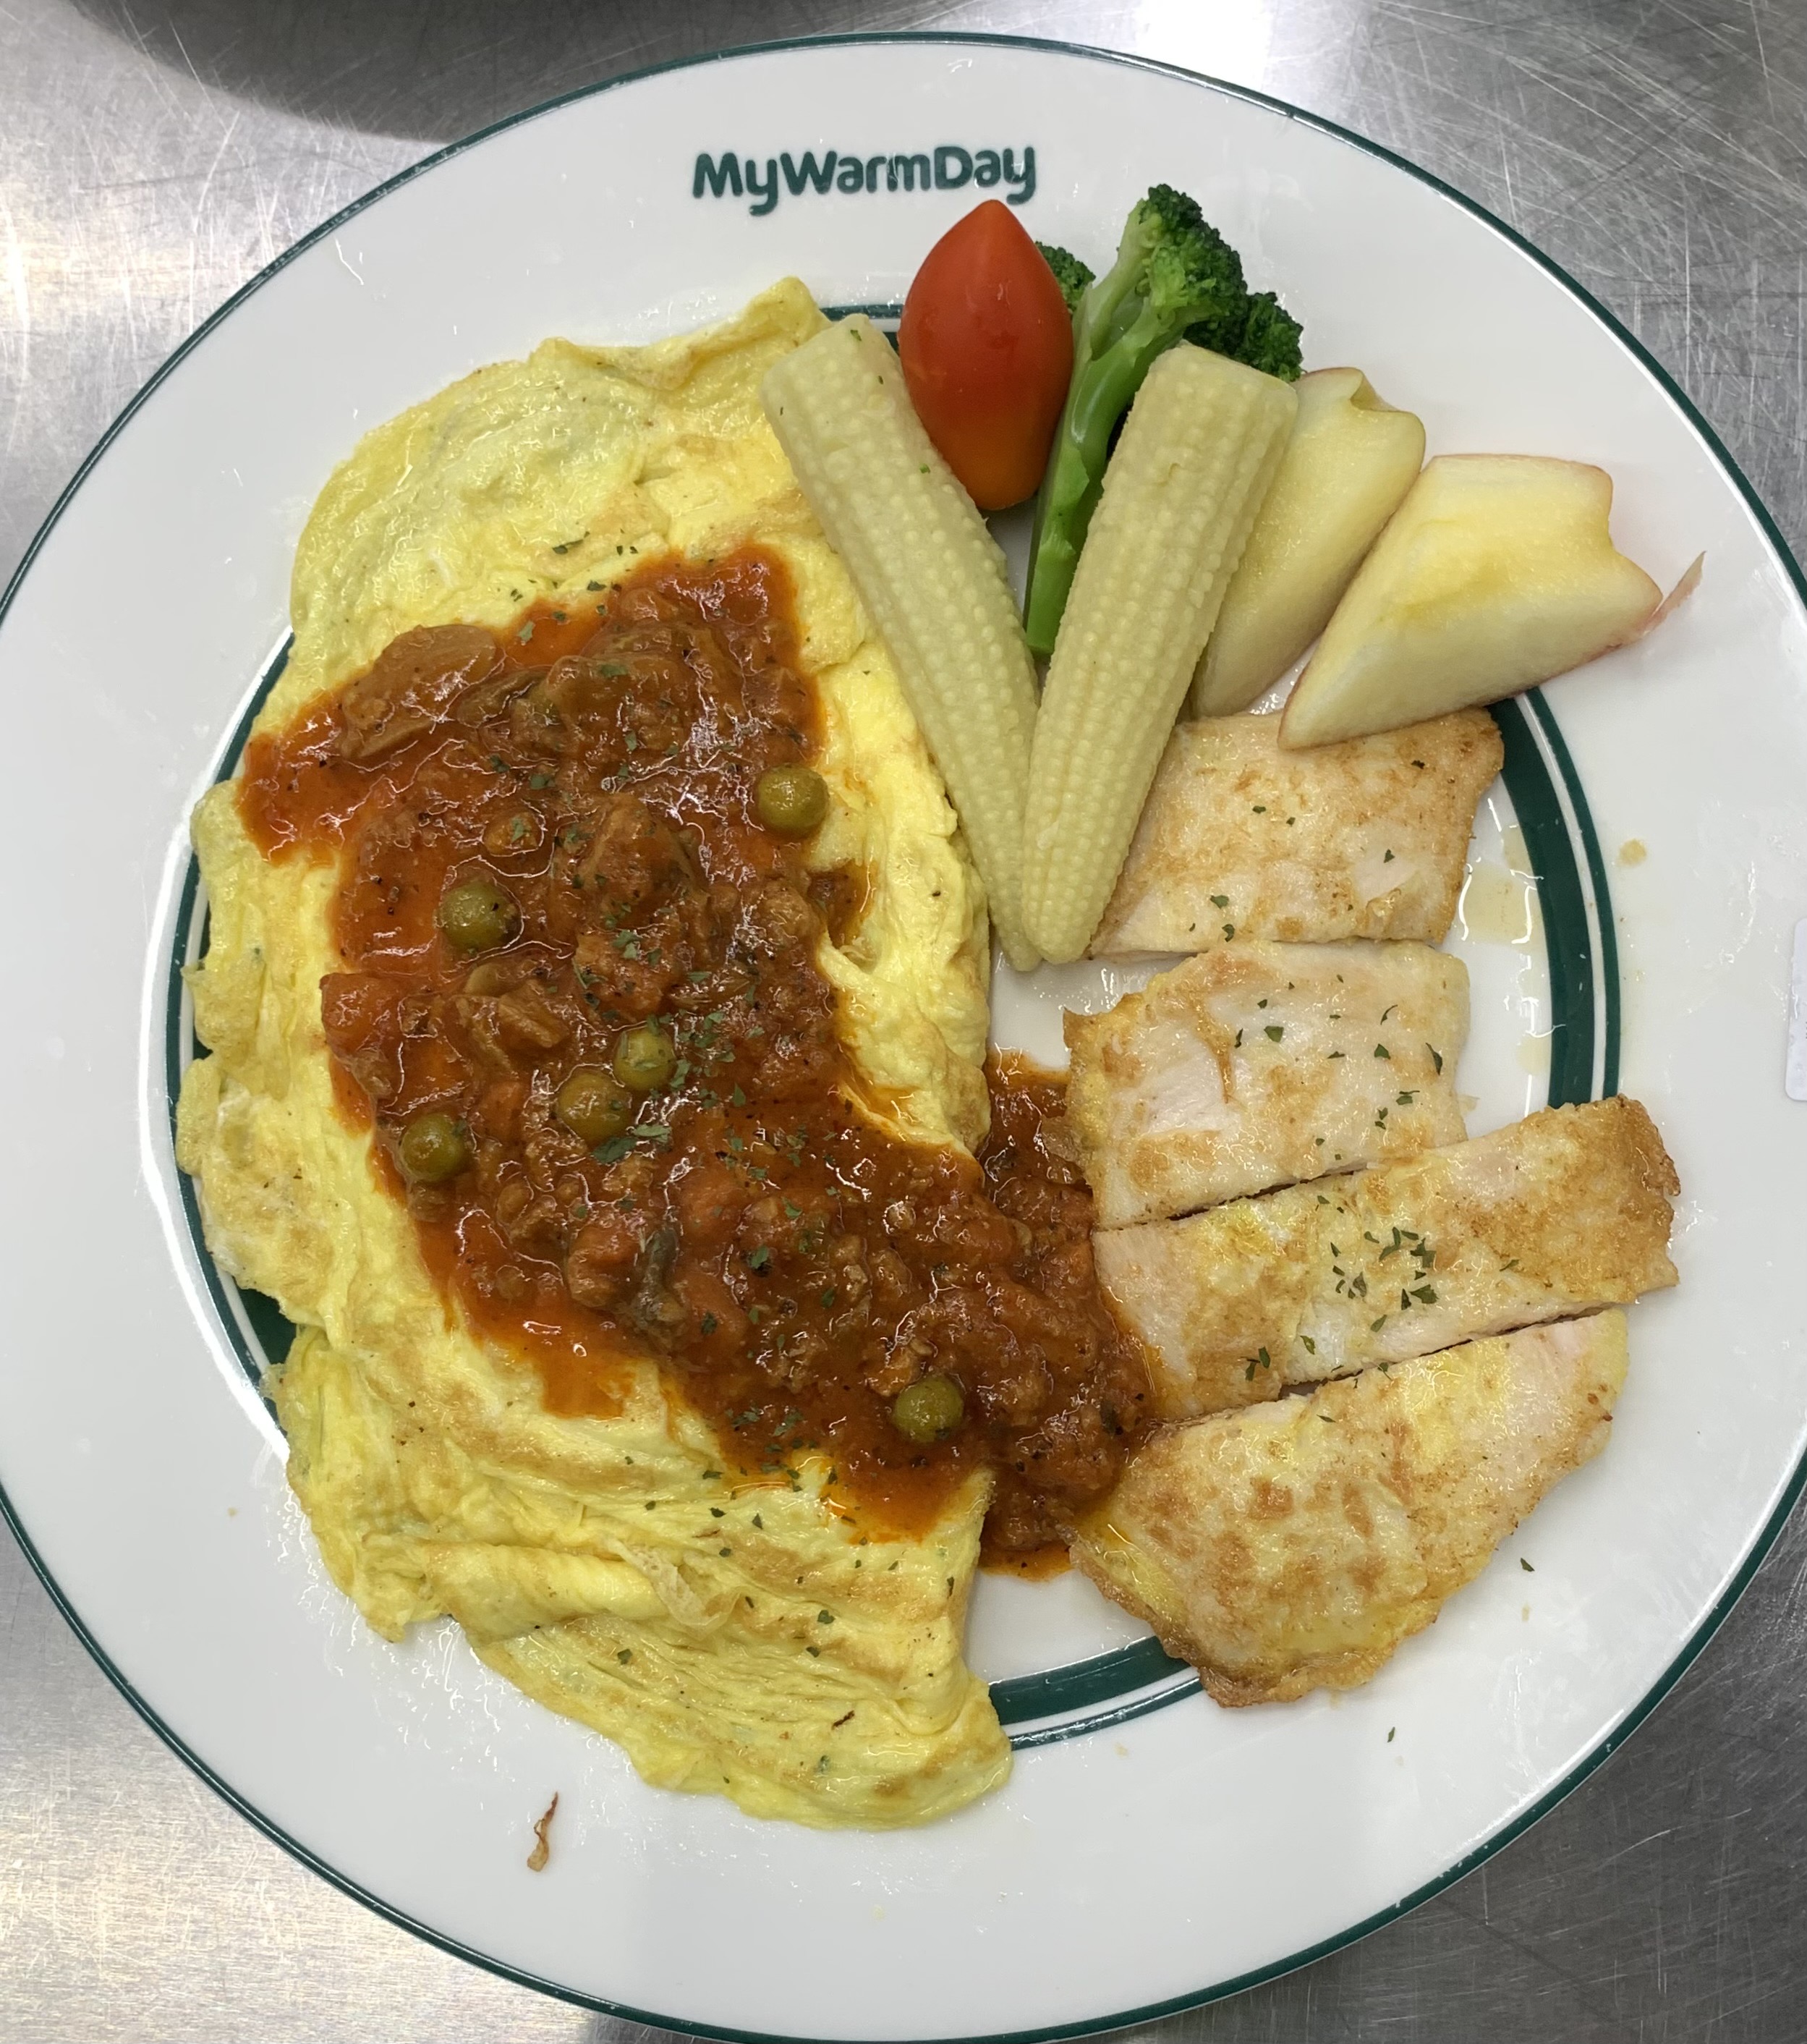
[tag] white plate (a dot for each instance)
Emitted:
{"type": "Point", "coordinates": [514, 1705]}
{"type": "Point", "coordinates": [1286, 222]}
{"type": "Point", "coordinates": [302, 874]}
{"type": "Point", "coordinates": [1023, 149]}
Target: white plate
{"type": "Point", "coordinates": [1174, 1851]}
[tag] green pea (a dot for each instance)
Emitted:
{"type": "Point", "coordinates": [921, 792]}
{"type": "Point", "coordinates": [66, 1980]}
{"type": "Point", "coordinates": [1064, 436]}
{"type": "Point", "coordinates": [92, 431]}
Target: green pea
{"type": "Point", "coordinates": [644, 1059]}
{"type": "Point", "coordinates": [478, 915]}
{"type": "Point", "coordinates": [791, 800]}
{"type": "Point", "coordinates": [593, 1105]}
{"type": "Point", "coordinates": [928, 1410]}
{"type": "Point", "coordinates": [434, 1147]}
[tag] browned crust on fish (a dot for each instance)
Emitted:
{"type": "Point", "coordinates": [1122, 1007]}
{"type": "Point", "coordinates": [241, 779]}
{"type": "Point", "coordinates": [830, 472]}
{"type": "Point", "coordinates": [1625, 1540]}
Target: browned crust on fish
{"type": "Point", "coordinates": [1238, 836]}
{"type": "Point", "coordinates": [1294, 1548]}
{"type": "Point", "coordinates": [1259, 1065]}
{"type": "Point", "coordinates": [1564, 1213]}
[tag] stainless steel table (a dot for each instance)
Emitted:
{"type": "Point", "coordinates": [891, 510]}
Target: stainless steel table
{"type": "Point", "coordinates": [153, 155]}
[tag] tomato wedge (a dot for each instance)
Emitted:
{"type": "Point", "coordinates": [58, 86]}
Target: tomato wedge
{"type": "Point", "coordinates": [986, 347]}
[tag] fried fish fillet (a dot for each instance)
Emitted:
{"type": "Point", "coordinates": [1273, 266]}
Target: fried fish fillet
{"type": "Point", "coordinates": [1293, 1546]}
{"type": "Point", "coordinates": [1258, 1065]}
{"type": "Point", "coordinates": [1558, 1214]}
{"type": "Point", "coordinates": [1364, 839]}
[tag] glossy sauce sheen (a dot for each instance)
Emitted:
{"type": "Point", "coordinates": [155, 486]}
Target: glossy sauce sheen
{"type": "Point", "coordinates": [791, 1266]}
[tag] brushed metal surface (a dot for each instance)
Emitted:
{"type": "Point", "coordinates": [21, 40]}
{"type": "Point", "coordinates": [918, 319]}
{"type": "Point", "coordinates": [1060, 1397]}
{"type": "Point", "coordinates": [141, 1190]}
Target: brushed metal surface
{"type": "Point", "coordinates": [153, 155]}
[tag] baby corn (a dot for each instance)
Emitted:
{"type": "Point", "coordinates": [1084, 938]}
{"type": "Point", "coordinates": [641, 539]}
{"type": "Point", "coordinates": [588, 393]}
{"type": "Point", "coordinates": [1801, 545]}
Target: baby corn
{"type": "Point", "coordinates": [1199, 450]}
{"type": "Point", "coordinates": [932, 577]}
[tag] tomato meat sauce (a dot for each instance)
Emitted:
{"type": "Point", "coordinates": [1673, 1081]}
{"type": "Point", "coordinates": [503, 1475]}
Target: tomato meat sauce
{"type": "Point", "coordinates": [578, 1004]}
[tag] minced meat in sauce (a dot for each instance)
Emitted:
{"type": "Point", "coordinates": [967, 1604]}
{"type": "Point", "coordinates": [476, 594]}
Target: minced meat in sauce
{"type": "Point", "coordinates": [586, 780]}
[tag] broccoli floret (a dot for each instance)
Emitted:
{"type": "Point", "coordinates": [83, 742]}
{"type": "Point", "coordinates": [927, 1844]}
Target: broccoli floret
{"type": "Point", "coordinates": [1269, 339]}
{"type": "Point", "coordinates": [1070, 274]}
{"type": "Point", "coordinates": [1174, 276]}
{"type": "Point", "coordinates": [1180, 272]}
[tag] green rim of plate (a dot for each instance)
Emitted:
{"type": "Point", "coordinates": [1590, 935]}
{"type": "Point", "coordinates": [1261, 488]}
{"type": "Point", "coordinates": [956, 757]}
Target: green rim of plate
{"type": "Point", "coordinates": [1607, 954]}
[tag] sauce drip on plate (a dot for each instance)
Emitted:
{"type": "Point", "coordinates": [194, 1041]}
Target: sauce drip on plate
{"type": "Point", "coordinates": [552, 862]}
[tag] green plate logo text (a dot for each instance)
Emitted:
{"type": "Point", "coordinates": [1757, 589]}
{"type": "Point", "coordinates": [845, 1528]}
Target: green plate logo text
{"type": "Point", "coordinates": [946, 167]}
